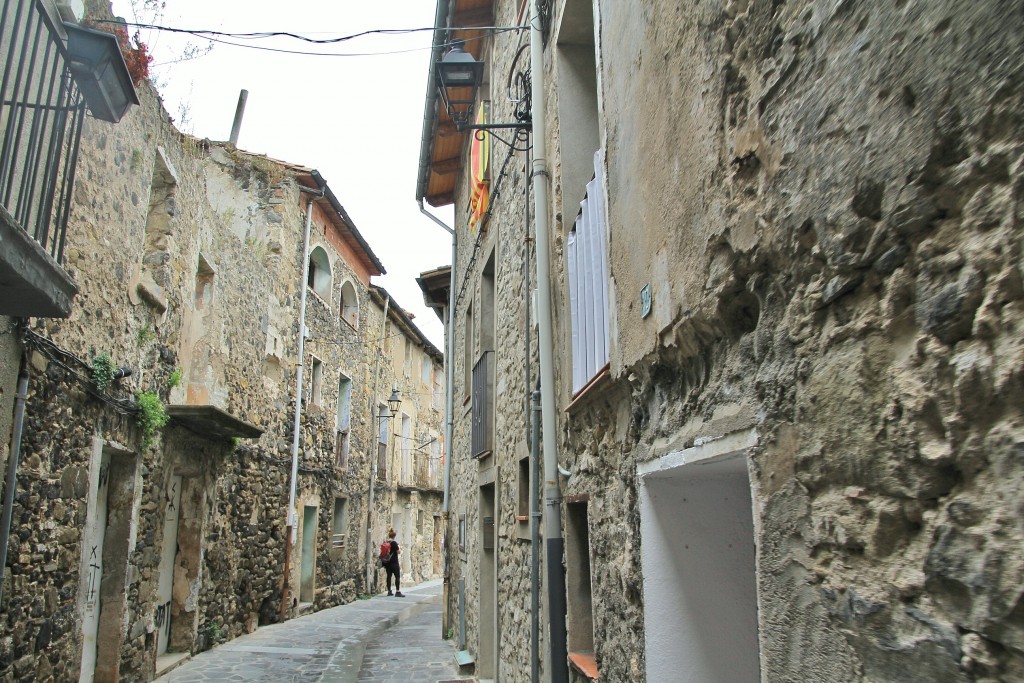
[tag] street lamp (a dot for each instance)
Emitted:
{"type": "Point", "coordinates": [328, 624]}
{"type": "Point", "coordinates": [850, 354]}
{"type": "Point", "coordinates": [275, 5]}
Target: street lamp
{"type": "Point", "coordinates": [96, 62]}
{"type": "Point", "coordinates": [458, 77]}
{"type": "Point", "coordinates": [394, 401]}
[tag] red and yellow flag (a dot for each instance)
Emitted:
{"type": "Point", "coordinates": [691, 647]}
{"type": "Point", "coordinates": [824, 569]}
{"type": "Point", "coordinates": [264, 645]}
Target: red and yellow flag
{"type": "Point", "coordinates": [479, 158]}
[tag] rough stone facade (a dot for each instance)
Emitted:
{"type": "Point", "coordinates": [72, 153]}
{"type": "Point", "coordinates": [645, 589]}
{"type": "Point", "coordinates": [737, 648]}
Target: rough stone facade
{"type": "Point", "coordinates": [824, 198]}
{"type": "Point", "coordinates": [188, 258]}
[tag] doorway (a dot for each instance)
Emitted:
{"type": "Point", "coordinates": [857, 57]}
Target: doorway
{"type": "Point", "coordinates": [487, 650]}
{"type": "Point", "coordinates": [307, 569]}
{"type": "Point", "coordinates": [699, 572]}
{"type": "Point", "coordinates": [106, 548]}
{"type": "Point", "coordinates": [168, 552]}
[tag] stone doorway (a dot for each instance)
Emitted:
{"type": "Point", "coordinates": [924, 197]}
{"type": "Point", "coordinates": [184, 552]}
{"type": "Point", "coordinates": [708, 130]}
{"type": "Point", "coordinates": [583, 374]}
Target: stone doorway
{"type": "Point", "coordinates": [487, 643]}
{"type": "Point", "coordinates": [107, 542]}
{"type": "Point", "coordinates": [699, 571]}
{"type": "Point", "coordinates": [180, 562]}
{"type": "Point", "coordinates": [307, 565]}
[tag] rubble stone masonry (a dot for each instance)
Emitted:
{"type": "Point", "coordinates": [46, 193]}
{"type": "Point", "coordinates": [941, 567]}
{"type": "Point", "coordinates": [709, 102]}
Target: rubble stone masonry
{"type": "Point", "coordinates": [825, 199]}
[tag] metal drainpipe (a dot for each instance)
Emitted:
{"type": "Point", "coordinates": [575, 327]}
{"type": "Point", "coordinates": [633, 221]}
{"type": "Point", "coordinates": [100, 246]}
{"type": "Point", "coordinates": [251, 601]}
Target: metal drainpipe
{"type": "Point", "coordinates": [449, 410]}
{"type": "Point", "coordinates": [533, 434]}
{"type": "Point", "coordinates": [552, 512]}
{"type": "Point", "coordinates": [12, 466]}
{"type": "Point", "coordinates": [296, 424]}
{"type": "Point", "coordinates": [375, 425]}
{"type": "Point", "coordinates": [535, 542]}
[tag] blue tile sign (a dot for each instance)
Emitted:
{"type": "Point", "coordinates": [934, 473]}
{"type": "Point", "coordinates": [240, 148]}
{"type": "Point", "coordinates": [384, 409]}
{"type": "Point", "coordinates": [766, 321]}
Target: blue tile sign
{"type": "Point", "coordinates": [645, 301]}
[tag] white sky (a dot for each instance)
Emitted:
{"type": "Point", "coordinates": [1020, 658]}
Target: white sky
{"type": "Point", "coordinates": [357, 120]}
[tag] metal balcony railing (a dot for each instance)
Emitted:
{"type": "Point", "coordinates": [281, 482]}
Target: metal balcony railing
{"type": "Point", "coordinates": [483, 408]}
{"type": "Point", "coordinates": [41, 115]}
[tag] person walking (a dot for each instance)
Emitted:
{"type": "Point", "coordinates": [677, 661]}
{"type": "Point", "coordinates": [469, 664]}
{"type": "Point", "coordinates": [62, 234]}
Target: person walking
{"type": "Point", "coordinates": [392, 566]}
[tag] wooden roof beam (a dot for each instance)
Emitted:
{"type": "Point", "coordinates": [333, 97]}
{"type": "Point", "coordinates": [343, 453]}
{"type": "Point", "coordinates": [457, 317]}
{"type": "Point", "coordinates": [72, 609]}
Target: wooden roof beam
{"type": "Point", "coordinates": [446, 166]}
{"type": "Point", "coordinates": [473, 18]}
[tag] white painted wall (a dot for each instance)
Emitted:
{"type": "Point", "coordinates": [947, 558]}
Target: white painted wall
{"type": "Point", "coordinates": [700, 589]}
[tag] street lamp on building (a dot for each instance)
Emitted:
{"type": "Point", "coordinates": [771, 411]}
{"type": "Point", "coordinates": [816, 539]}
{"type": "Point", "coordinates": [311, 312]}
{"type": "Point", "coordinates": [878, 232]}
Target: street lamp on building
{"type": "Point", "coordinates": [459, 76]}
{"type": "Point", "coordinates": [394, 402]}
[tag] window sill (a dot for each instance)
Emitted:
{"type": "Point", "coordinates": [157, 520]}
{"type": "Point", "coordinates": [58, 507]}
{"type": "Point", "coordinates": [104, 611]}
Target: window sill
{"type": "Point", "coordinates": [595, 386]}
{"type": "Point", "coordinates": [585, 663]}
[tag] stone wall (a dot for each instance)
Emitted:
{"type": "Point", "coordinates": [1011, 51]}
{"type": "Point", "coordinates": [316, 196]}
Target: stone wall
{"type": "Point", "coordinates": [824, 200]}
{"type": "Point", "coordinates": [188, 256]}
{"type": "Point", "coordinates": [840, 225]}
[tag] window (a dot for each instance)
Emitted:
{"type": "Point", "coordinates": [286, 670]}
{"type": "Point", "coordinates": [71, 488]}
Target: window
{"type": "Point", "coordinates": [319, 279]}
{"type": "Point", "coordinates": [588, 284]}
{"type": "Point", "coordinates": [467, 356]}
{"type": "Point", "coordinates": [204, 283]}
{"type": "Point", "coordinates": [523, 511]}
{"type": "Point", "coordinates": [436, 462]}
{"type": "Point", "coordinates": [426, 369]}
{"type": "Point", "coordinates": [487, 317]}
{"type": "Point", "coordinates": [316, 381]}
{"type": "Point", "coordinates": [437, 400]}
{"type": "Point", "coordinates": [382, 441]}
{"type": "Point", "coordinates": [349, 304]}
{"type": "Point", "coordinates": [344, 422]}
{"type": "Point", "coordinates": [407, 471]}
{"type": "Point", "coordinates": [339, 523]}
{"type": "Point", "coordinates": [579, 598]}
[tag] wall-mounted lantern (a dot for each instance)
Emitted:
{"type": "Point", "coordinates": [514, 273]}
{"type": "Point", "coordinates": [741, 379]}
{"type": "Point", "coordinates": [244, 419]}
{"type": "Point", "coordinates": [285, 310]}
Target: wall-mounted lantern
{"type": "Point", "coordinates": [95, 60]}
{"type": "Point", "coordinates": [458, 77]}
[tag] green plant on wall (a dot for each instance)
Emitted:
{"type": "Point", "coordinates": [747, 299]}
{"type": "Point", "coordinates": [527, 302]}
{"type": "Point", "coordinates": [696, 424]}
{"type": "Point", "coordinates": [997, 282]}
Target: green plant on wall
{"type": "Point", "coordinates": [175, 379]}
{"type": "Point", "coordinates": [145, 335]}
{"type": "Point", "coordinates": [102, 368]}
{"type": "Point", "coordinates": [213, 632]}
{"type": "Point", "coordinates": [152, 416]}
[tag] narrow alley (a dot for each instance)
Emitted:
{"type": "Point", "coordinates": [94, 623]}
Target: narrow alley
{"type": "Point", "coordinates": [381, 639]}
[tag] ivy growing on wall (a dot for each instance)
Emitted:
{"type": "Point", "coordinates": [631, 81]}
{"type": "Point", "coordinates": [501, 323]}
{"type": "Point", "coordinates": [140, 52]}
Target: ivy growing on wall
{"type": "Point", "coordinates": [102, 370]}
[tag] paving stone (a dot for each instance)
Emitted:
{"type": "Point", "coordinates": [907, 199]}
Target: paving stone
{"type": "Point", "coordinates": [381, 639]}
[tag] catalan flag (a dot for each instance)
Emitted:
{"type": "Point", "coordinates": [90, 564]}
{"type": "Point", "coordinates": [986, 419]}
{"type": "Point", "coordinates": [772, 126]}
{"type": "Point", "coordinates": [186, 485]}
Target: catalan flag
{"type": "Point", "coordinates": [479, 159]}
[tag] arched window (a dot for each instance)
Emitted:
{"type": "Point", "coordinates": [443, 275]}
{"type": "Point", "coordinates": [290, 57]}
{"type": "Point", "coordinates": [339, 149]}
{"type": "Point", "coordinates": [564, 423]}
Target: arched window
{"type": "Point", "coordinates": [320, 273]}
{"type": "Point", "coordinates": [349, 304]}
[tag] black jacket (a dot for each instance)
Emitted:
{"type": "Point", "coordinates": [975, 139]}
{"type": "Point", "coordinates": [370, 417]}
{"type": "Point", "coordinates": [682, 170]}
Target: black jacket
{"type": "Point", "coordinates": [393, 562]}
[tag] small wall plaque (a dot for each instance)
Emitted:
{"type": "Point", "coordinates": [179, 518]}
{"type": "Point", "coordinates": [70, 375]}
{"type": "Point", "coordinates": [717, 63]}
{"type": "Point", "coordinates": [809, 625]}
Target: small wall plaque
{"type": "Point", "coordinates": [645, 301]}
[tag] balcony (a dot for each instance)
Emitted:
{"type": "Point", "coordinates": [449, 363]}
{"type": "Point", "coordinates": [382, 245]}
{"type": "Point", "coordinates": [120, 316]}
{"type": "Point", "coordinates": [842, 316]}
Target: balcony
{"type": "Point", "coordinates": [42, 111]}
{"type": "Point", "coordinates": [483, 405]}
{"type": "Point", "coordinates": [425, 477]}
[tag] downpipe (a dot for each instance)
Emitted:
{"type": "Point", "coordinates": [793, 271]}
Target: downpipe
{"type": "Point", "coordinates": [297, 422]}
{"type": "Point", "coordinates": [20, 398]}
{"type": "Point", "coordinates": [558, 660]}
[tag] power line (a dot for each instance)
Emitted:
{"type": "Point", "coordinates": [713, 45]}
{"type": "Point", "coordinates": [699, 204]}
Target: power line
{"type": "Point", "coordinates": [220, 37]}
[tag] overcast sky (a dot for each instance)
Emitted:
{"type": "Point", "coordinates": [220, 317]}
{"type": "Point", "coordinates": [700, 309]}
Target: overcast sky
{"type": "Point", "coordinates": [356, 119]}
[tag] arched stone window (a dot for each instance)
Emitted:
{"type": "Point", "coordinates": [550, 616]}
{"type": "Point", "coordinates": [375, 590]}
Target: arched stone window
{"type": "Point", "coordinates": [349, 304]}
{"type": "Point", "coordinates": [320, 273]}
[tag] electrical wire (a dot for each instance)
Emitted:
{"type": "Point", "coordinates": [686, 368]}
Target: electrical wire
{"type": "Point", "coordinates": [62, 358]}
{"type": "Point", "coordinates": [221, 36]}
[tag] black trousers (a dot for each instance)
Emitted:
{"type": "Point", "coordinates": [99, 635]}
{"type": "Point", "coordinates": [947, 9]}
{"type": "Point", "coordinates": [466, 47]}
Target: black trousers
{"type": "Point", "coordinates": [396, 571]}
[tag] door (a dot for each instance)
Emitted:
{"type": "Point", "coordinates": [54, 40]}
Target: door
{"type": "Point", "coordinates": [107, 550]}
{"type": "Point", "coordinates": [93, 549]}
{"type": "Point", "coordinates": [168, 553]}
{"type": "Point", "coordinates": [307, 573]}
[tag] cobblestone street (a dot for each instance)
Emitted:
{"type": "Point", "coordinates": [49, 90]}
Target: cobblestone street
{"type": "Point", "coordinates": [381, 639]}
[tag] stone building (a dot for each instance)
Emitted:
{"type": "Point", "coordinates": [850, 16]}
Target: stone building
{"type": "Point", "coordinates": [150, 511]}
{"type": "Point", "coordinates": [781, 242]}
